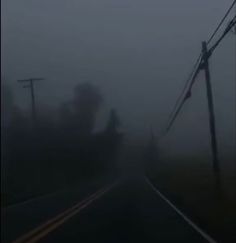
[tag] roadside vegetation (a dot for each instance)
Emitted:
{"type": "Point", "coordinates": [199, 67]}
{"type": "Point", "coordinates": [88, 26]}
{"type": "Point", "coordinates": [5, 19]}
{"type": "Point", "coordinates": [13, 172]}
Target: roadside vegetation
{"type": "Point", "coordinates": [57, 149]}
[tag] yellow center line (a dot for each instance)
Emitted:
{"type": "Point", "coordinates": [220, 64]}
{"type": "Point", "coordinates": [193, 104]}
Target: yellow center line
{"type": "Point", "coordinates": [48, 226]}
{"type": "Point", "coordinates": [52, 227]}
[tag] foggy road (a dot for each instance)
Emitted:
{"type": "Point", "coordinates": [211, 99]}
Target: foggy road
{"type": "Point", "coordinates": [103, 104]}
{"type": "Point", "coordinates": [130, 211]}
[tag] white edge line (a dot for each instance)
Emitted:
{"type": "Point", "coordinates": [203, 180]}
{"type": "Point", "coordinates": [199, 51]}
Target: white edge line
{"type": "Point", "coordinates": [190, 222]}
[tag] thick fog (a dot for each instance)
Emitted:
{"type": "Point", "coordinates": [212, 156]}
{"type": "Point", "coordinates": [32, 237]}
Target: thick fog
{"type": "Point", "coordinates": [139, 52]}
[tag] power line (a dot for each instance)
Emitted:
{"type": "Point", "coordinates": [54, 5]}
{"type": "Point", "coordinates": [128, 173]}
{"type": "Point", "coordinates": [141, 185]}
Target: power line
{"type": "Point", "coordinates": [176, 113]}
{"type": "Point", "coordinates": [30, 85]}
{"type": "Point", "coordinates": [186, 97]}
{"type": "Point", "coordinates": [185, 87]}
{"type": "Point", "coordinates": [197, 67]}
{"type": "Point", "coordinates": [231, 24]}
{"type": "Point", "coordinates": [221, 22]}
{"type": "Point", "coordinates": [214, 145]}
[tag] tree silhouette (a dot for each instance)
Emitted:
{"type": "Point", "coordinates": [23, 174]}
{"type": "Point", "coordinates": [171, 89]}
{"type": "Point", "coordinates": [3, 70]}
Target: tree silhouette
{"type": "Point", "coordinates": [62, 150]}
{"type": "Point", "coordinates": [8, 107]}
{"type": "Point", "coordinates": [80, 114]}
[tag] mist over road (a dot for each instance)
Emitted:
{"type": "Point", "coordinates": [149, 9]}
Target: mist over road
{"type": "Point", "coordinates": [130, 211]}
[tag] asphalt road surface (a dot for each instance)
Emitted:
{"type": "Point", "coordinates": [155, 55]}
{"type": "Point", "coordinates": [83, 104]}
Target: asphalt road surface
{"type": "Point", "coordinates": [125, 211]}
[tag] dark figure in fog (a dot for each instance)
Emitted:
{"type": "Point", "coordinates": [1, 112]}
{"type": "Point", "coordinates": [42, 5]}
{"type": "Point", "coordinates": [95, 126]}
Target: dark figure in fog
{"type": "Point", "coordinates": [111, 140]}
{"type": "Point", "coordinates": [113, 123]}
{"type": "Point", "coordinates": [151, 156]}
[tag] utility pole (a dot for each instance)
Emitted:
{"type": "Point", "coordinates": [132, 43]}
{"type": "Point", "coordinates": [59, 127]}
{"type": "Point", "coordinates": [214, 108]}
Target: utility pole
{"type": "Point", "coordinates": [30, 85]}
{"type": "Point", "coordinates": [216, 167]}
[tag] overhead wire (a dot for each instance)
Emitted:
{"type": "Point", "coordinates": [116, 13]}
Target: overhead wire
{"type": "Point", "coordinates": [186, 93]}
{"type": "Point", "coordinates": [186, 97]}
{"type": "Point", "coordinates": [221, 22]}
{"type": "Point", "coordinates": [185, 86]}
{"type": "Point", "coordinates": [231, 24]}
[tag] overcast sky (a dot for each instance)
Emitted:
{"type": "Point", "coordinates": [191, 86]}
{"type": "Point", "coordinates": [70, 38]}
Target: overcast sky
{"type": "Point", "coordinates": [139, 52]}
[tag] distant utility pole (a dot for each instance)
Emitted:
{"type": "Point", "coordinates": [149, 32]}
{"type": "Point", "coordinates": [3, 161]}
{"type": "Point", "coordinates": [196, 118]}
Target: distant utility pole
{"type": "Point", "coordinates": [30, 85]}
{"type": "Point", "coordinates": [216, 167]}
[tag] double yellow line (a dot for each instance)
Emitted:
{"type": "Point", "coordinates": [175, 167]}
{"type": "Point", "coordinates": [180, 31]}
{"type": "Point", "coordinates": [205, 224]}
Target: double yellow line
{"type": "Point", "coordinates": [41, 231]}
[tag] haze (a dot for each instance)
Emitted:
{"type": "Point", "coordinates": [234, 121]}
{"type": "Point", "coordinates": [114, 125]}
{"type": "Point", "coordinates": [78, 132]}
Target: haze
{"type": "Point", "coordinates": [138, 52]}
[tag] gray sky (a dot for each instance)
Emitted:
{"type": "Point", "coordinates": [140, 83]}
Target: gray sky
{"type": "Point", "coordinates": [138, 51]}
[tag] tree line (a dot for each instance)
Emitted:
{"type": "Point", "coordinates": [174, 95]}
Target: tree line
{"type": "Point", "coordinates": [58, 150]}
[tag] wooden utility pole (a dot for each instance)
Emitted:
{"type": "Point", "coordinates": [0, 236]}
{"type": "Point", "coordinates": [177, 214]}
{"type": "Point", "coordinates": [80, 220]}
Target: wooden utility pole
{"type": "Point", "coordinates": [214, 146]}
{"type": "Point", "coordinates": [30, 85]}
